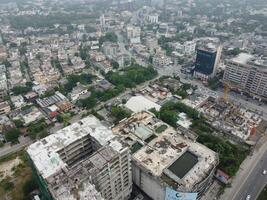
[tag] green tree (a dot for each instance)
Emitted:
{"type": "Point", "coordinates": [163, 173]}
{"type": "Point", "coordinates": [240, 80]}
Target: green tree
{"type": "Point", "coordinates": [12, 135]}
{"type": "Point", "coordinates": [119, 113]}
{"type": "Point", "coordinates": [17, 90]}
{"type": "Point", "coordinates": [18, 123]}
{"type": "Point", "coordinates": [7, 63]}
{"type": "Point", "coordinates": [114, 64]}
{"type": "Point", "coordinates": [109, 37]}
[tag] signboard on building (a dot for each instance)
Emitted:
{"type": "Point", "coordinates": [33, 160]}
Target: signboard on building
{"type": "Point", "coordinates": [174, 195]}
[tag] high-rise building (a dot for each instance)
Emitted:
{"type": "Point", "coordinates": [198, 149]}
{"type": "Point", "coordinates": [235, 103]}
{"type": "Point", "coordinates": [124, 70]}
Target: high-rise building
{"type": "Point", "coordinates": [82, 161]}
{"type": "Point", "coordinates": [247, 74]}
{"type": "Point", "coordinates": [207, 61]}
{"type": "Point", "coordinates": [102, 21]}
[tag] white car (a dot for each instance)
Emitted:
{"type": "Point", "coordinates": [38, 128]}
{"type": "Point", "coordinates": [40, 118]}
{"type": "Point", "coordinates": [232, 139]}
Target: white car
{"type": "Point", "coordinates": [264, 172]}
{"type": "Point", "coordinates": [248, 197]}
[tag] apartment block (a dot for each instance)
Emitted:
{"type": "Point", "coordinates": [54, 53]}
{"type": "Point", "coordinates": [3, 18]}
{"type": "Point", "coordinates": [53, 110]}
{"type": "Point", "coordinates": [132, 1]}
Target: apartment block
{"type": "Point", "coordinates": [248, 74]}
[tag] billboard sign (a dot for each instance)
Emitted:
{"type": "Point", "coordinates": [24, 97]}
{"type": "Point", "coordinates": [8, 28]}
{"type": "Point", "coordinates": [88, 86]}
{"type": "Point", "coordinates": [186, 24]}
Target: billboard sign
{"type": "Point", "coordinates": [174, 195]}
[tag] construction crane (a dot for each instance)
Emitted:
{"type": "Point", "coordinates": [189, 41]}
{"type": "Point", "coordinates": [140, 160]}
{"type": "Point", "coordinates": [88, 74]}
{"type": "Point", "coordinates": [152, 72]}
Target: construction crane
{"type": "Point", "coordinates": [226, 91]}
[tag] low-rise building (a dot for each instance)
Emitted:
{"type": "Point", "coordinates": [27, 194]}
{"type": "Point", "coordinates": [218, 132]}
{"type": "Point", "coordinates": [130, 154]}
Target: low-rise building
{"type": "Point", "coordinates": [31, 115]}
{"type": "Point", "coordinates": [4, 107]}
{"type": "Point", "coordinates": [140, 103]}
{"type": "Point", "coordinates": [79, 92]}
{"type": "Point", "coordinates": [18, 101]}
{"type": "Point", "coordinates": [48, 101]}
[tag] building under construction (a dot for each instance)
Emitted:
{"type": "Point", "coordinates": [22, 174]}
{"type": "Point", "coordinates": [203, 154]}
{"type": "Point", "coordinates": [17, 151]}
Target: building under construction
{"type": "Point", "coordinates": [82, 161]}
{"type": "Point", "coordinates": [236, 121]}
{"type": "Point", "coordinates": [164, 158]}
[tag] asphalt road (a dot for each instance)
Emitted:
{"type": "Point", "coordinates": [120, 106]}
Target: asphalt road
{"type": "Point", "coordinates": [8, 149]}
{"type": "Point", "coordinates": [255, 182]}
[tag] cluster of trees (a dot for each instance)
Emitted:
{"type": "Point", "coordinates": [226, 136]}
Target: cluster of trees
{"type": "Point", "coordinates": [83, 52]}
{"type": "Point", "coordinates": [12, 135]}
{"type": "Point", "coordinates": [41, 21]}
{"type": "Point", "coordinates": [73, 79]}
{"type": "Point", "coordinates": [36, 129]}
{"type": "Point", "coordinates": [23, 66]}
{"type": "Point", "coordinates": [182, 91]}
{"type": "Point", "coordinates": [119, 113]}
{"type": "Point", "coordinates": [17, 90]}
{"type": "Point", "coordinates": [231, 156]}
{"type": "Point", "coordinates": [131, 76]}
{"type": "Point", "coordinates": [233, 52]}
{"type": "Point", "coordinates": [56, 64]}
{"type": "Point", "coordinates": [108, 37]}
{"type": "Point", "coordinates": [100, 96]}
{"type": "Point", "coordinates": [114, 64]}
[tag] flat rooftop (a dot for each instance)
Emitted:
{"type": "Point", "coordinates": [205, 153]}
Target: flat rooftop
{"type": "Point", "coordinates": [140, 103]}
{"type": "Point", "coordinates": [242, 58]}
{"type": "Point", "coordinates": [189, 161]}
{"type": "Point", "coordinates": [44, 152]}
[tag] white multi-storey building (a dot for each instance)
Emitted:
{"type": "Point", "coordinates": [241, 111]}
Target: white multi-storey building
{"type": "Point", "coordinates": [84, 161]}
{"type": "Point", "coordinates": [247, 74]}
{"type": "Point", "coordinates": [152, 18]}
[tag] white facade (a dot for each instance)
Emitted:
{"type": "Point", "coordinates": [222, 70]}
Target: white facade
{"type": "Point", "coordinates": [189, 47]}
{"type": "Point", "coordinates": [110, 49]}
{"type": "Point", "coordinates": [247, 74]}
{"type": "Point", "coordinates": [133, 33]}
{"type": "Point", "coordinates": [83, 161]}
{"type": "Point", "coordinates": [152, 18]}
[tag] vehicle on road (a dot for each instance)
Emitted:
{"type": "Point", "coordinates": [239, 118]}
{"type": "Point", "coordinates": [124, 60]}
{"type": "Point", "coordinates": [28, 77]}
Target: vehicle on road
{"type": "Point", "coordinates": [248, 197]}
{"type": "Point", "coordinates": [264, 172]}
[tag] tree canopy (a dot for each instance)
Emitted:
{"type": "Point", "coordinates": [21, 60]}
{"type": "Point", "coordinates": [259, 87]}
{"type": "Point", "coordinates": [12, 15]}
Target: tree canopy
{"type": "Point", "coordinates": [12, 135]}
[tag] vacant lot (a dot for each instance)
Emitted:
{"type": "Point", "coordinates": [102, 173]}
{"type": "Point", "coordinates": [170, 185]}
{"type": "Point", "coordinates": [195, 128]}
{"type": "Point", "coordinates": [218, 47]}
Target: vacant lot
{"type": "Point", "coordinates": [15, 177]}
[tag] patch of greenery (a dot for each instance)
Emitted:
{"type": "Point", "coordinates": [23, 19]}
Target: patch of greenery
{"type": "Point", "coordinates": [100, 96]}
{"type": "Point", "coordinates": [119, 113]}
{"type": "Point", "coordinates": [263, 194]}
{"type": "Point", "coordinates": [131, 76]}
{"type": "Point", "coordinates": [6, 184]}
{"type": "Point", "coordinates": [161, 128]}
{"type": "Point", "coordinates": [109, 37]}
{"type": "Point", "coordinates": [40, 21]}
{"type": "Point", "coordinates": [56, 64]}
{"type": "Point", "coordinates": [73, 79]}
{"type": "Point", "coordinates": [12, 135]}
{"type": "Point", "coordinates": [35, 128]}
{"type": "Point", "coordinates": [17, 90]}
{"type": "Point", "coordinates": [231, 156]}
{"type": "Point", "coordinates": [18, 123]}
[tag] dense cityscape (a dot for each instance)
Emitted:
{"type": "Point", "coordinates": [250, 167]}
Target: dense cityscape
{"type": "Point", "coordinates": [133, 100]}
